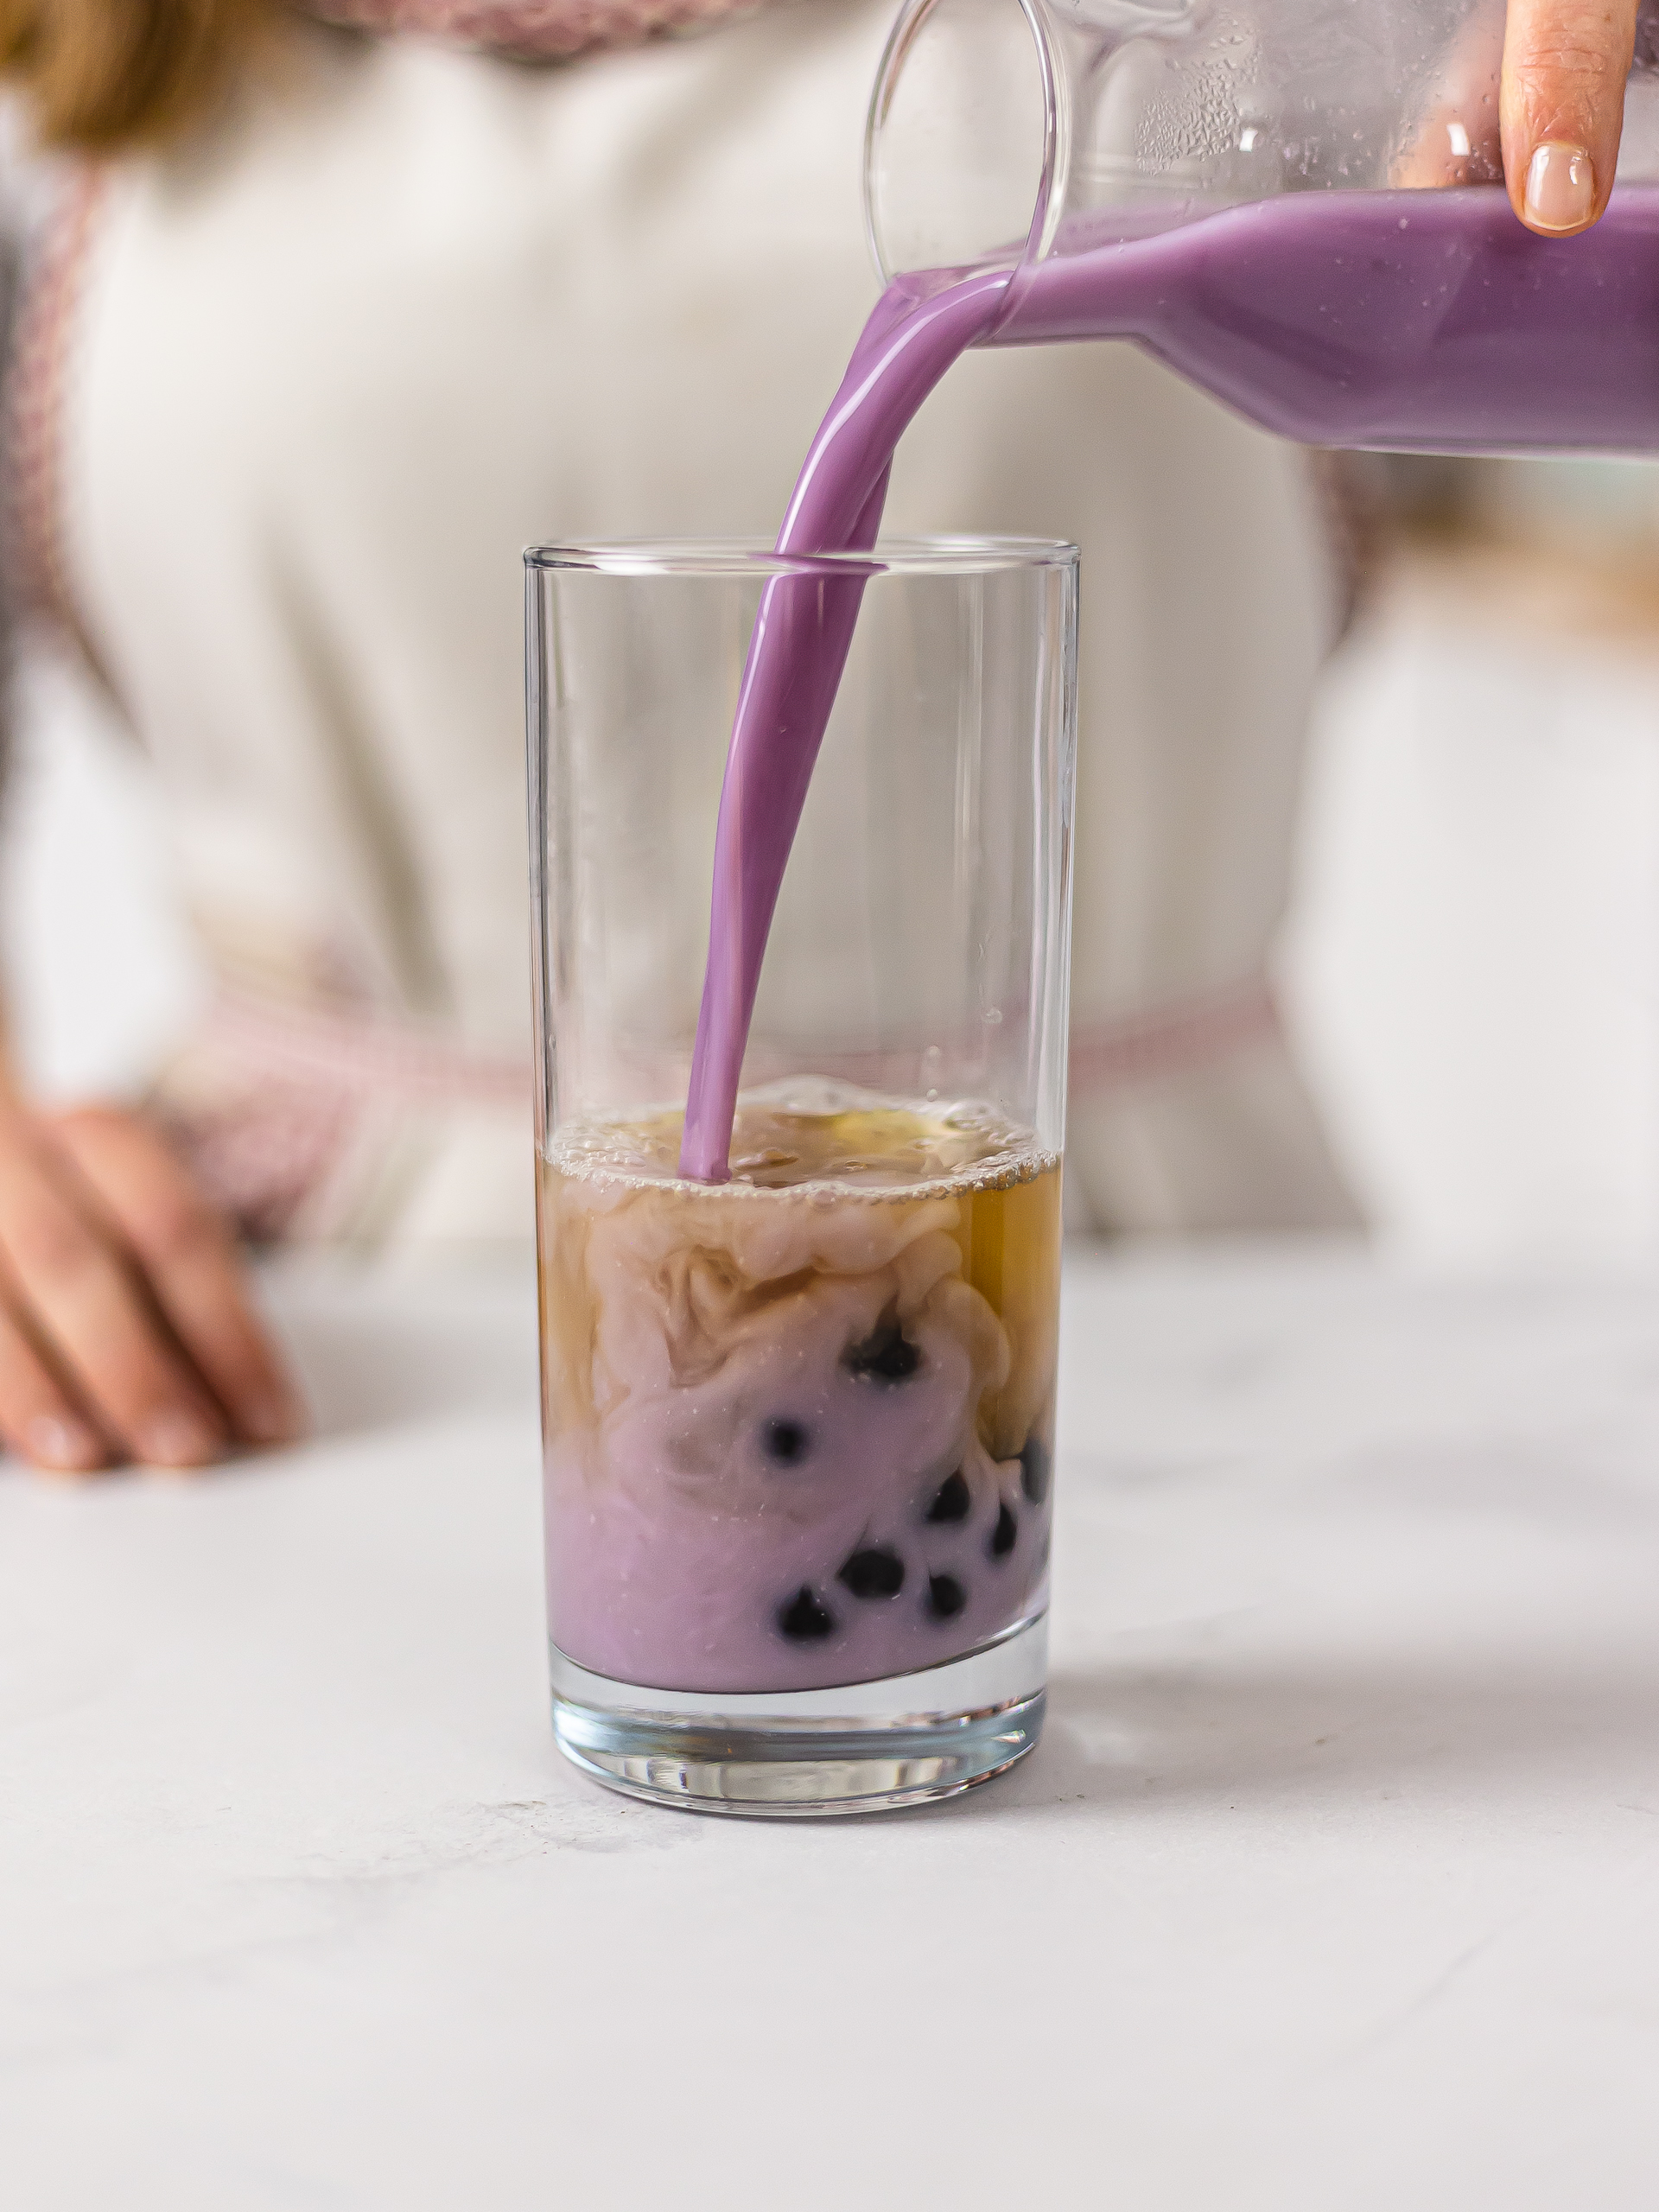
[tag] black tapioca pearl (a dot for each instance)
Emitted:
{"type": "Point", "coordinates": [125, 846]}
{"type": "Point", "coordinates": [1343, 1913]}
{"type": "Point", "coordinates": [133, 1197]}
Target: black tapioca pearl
{"type": "Point", "coordinates": [876, 1571]}
{"type": "Point", "coordinates": [1036, 1464]}
{"type": "Point", "coordinates": [804, 1618]}
{"type": "Point", "coordinates": [785, 1442]}
{"type": "Point", "coordinates": [946, 1597]}
{"type": "Point", "coordinates": [952, 1501]}
{"type": "Point", "coordinates": [1005, 1533]}
{"type": "Point", "coordinates": [886, 1356]}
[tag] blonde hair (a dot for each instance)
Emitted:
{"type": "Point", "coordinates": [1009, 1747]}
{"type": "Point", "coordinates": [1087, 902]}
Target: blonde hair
{"type": "Point", "coordinates": [104, 75]}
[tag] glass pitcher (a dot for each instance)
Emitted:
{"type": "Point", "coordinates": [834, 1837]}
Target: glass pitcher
{"type": "Point", "coordinates": [1297, 203]}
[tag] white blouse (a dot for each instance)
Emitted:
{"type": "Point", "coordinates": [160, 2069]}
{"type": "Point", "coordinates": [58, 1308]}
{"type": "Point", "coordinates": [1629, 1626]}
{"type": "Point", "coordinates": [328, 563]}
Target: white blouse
{"type": "Point", "coordinates": [292, 398]}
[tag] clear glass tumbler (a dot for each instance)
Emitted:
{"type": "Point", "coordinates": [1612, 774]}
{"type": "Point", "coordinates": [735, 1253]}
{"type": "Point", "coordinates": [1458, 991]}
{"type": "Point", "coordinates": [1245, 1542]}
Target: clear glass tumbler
{"type": "Point", "coordinates": [800, 1425]}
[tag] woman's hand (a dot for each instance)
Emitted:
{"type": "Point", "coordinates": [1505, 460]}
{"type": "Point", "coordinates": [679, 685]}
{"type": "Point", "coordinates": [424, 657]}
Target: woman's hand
{"type": "Point", "coordinates": [126, 1328]}
{"type": "Point", "coordinates": [1562, 107]}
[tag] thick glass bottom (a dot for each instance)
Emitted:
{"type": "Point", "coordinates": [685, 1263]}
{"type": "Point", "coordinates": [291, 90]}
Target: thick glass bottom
{"type": "Point", "coordinates": [871, 1747]}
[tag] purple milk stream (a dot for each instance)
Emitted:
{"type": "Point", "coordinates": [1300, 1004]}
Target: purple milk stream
{"type": "Point", "coordinates": [802, 633]}
{"type": "Point", "coordinates": [1406, 321]}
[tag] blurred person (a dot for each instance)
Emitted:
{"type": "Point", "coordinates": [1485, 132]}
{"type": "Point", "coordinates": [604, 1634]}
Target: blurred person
{"type": "Point", "coordinates": [335, 308]}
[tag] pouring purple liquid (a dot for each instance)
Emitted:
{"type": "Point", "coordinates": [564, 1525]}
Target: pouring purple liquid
{"type": "Point", "coordinates": [1408, 322]}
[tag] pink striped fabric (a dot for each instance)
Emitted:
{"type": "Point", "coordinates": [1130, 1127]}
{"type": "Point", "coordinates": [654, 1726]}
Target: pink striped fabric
{"type": "Point", "coordinates": [32, 424]}
{"type": "Point", "coordinates": [547, 28]}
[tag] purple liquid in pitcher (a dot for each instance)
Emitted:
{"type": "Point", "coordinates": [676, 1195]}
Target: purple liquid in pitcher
{"type": "Point", "coordinates": [1427, 322]}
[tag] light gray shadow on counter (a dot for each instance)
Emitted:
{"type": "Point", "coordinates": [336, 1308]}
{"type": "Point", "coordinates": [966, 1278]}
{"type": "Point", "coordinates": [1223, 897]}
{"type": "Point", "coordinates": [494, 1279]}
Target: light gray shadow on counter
{"type": "Point", "coordinates": [1331, 1734]}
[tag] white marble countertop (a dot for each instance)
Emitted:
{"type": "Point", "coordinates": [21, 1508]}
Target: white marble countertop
{"type": "Point", "coordinates": [1334, 1884]}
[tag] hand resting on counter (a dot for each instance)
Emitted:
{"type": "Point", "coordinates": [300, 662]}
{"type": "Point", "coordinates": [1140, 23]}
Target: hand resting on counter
{"type": "Point", "coordinates": [127, 1327]}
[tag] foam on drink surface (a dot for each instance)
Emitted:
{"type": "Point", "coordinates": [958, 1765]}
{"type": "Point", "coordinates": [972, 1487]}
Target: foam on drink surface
{"type": "Point", "coordinates": [800, 1424]}
{"type": "Point", "coordinates": [810, 1134]}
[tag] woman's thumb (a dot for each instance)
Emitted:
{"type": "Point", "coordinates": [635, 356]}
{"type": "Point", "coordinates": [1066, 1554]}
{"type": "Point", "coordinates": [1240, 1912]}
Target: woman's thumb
{"type": "Point", "coordinates": [1564, 64]}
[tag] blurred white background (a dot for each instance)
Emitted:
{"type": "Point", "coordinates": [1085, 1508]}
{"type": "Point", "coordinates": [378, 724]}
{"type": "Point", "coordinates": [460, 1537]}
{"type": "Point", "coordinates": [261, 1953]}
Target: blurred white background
{"type": "Point", "coordinates": [1472, 969]}
{"type": "Point", "coordinates": [100, 972]}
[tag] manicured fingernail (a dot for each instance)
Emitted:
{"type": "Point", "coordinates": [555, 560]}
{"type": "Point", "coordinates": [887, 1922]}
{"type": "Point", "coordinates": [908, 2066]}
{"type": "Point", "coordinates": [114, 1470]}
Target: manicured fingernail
{"type": "Point", "coordinates": [57, 1441]}
{"type": "Point", "coordinates": [1560, 186]}
{"type": "Point", "coordinates": [178, 1440]}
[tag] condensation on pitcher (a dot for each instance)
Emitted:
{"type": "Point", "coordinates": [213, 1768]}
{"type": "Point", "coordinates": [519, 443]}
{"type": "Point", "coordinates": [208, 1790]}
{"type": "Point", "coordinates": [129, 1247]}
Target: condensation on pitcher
{"type": "Point", "coordinates": [814, 1136]}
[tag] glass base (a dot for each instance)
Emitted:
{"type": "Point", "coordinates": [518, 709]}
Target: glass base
{"type": "Point", "coordinates": [871, 1747]}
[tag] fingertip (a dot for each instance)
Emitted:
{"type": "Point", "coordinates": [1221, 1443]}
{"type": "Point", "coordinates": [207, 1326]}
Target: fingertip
{"type": "Point", "coordinates": [62, 1445]}
{"type": "Point", "coordinates": [179, 1439]}
{"type": "Point", "coordinates": [1565, 69]}
{"type": "Point", "coordinates": [276, 1418]}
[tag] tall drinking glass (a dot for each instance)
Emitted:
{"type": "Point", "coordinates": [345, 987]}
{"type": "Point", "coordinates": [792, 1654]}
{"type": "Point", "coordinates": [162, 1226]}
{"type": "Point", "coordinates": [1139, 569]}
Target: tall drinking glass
{"type": "Point", "coordinates": [800, 1425]}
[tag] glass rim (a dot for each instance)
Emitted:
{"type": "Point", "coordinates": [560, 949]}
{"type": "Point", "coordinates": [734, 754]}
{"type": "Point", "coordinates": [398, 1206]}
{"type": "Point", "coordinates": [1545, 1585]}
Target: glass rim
{"type": "Point", "coordinates": [729, 557]}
